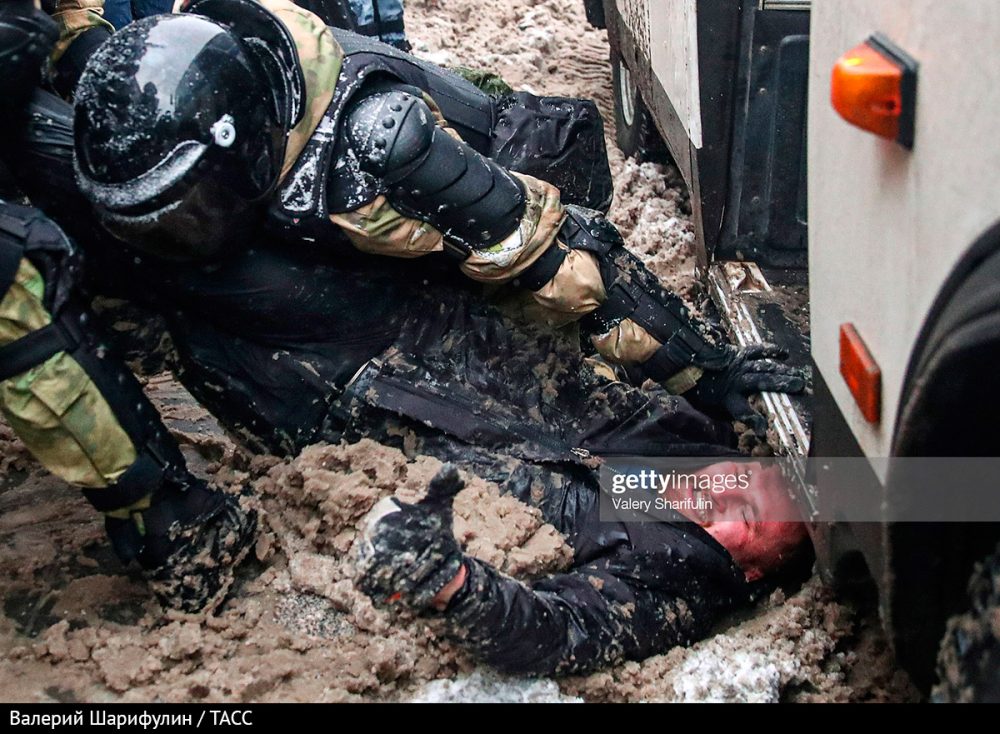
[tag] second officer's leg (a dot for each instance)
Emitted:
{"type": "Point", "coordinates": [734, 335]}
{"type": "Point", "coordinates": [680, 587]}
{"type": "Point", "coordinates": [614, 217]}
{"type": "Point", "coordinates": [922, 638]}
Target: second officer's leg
{"type": "Point", "coordinates": [85, 418]}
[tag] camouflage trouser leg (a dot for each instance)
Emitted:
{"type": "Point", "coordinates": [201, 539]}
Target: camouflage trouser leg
{"type": "Point", "coordinates": [80, 412]}
{"type": "Point", "coordinates": [85, 418]}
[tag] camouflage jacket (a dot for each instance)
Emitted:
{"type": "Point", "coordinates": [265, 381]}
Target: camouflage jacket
{"type": "Point", "coordinates": [75, 17]}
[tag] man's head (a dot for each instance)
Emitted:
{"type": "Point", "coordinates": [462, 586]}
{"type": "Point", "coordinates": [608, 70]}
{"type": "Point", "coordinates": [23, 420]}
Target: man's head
{"type": "Point", "coordinates": [756, 522]}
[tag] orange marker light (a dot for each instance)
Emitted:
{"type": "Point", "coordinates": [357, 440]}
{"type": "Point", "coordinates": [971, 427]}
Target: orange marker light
{"type": "Point", "coordinates": [861, 373]}
{"type": "Point", "coordinates": [874, 88]}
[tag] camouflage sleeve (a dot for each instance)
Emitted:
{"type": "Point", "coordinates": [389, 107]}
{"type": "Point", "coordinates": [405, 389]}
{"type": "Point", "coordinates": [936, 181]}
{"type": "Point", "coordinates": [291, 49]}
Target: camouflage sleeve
{"type": "Point", "coordinates": [320, 58]}
{"type": "Point", "coordinates": [74, 18]}
{"type": "Point", "coordinates": [79, 411]}
{"type": "Point", "coordinates": [54, 407]}
{"type": "Point", "coordinates": [377, 228]}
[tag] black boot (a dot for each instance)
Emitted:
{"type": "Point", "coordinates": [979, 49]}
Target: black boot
{"type": "Point", "coordinates": [188, 542]}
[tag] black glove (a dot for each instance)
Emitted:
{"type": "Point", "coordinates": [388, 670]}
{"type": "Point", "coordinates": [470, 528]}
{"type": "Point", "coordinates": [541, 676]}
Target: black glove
{"type": "Point", "coordinates": [408, 553]}
{"type": "Point", "coordinates": [748, 371]}
{"type": "Point", "coordinates": [188, 543]}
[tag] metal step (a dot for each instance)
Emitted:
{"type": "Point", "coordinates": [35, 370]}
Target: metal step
{"type": "Point", "coordinates": [772, 306]}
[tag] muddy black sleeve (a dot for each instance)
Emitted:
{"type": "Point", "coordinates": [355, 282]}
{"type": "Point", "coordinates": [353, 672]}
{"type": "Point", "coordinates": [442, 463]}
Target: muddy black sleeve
{"type": "Point", "coordinates": [597, 615]}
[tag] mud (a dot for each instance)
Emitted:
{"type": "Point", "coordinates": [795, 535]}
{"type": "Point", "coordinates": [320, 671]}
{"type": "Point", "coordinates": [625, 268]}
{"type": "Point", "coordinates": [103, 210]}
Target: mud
{"type": "Point", "coordinates": [79, 627]}
{"type": "Point", "coordinates": [76, 626]}
{"type": "Point", "coordinates": [803, 648]}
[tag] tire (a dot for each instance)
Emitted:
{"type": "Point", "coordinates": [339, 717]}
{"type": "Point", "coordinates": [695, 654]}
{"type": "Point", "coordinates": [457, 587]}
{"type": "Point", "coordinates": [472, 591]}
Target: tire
{"type": "Point", "coordinates": [635, 131]}
{"type": "Point", "coordinates": [948, 409]}
{"type": "Point", "coordinates": [969, 661]}
{"type": "Point", "coordinates": [595, 13]}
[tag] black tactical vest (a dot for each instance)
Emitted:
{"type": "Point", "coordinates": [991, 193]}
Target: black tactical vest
{"type": "Point", "coordinates": [324, 179]}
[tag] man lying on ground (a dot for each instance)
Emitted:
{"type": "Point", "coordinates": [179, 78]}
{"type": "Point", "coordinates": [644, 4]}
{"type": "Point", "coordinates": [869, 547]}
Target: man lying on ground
{"type": "Point", "coordinates": [635, 589]}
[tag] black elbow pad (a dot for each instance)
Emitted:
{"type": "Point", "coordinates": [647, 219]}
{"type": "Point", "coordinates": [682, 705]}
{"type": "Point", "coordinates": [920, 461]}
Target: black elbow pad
{"type": "Point", "coordinates": [430, 175]}
{"type": "Point", "coordinates": [390, 132]}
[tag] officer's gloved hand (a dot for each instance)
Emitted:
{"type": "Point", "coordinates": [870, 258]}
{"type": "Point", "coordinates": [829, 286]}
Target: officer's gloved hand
{"type": "Point", "coordinates": [747, 371]}
{"type": "Point", "coordinates": [187, 542]}
{"type": "Point", "coordinates": [408, 553]}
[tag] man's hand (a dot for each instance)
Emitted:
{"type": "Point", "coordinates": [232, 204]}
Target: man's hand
{"type": "Point", "coordinates": [748, 371]}
{"type": "Point", "coordinates": [408, 553]}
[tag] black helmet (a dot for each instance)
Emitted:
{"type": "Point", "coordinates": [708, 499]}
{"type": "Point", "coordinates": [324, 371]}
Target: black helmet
{"type": "Point", "coordinates": [27, 36]}
{"type": "Point", "coordinates": [178, 135]}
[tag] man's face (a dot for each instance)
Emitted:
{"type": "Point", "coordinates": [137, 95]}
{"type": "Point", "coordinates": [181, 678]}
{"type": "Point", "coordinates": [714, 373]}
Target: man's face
{"type": "Point", "coordinates": [753, 522]}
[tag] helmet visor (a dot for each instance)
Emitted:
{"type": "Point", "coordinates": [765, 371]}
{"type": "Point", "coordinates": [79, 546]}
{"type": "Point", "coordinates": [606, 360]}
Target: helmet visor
{"type": "Point", "coordinates": [207, 221]}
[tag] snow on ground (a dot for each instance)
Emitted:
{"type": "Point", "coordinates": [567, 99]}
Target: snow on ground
{"type": "Point", "coordinates": [77, 627]}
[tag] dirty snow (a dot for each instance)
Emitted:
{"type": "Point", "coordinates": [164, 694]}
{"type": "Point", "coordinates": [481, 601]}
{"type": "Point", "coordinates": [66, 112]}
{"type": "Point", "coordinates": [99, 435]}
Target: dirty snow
{"type": "Point", "coordinates": [78, 627]}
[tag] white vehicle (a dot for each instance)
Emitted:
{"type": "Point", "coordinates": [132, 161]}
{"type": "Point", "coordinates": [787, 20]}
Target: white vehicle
{"type": "Point", "coordinates": [845, 185]}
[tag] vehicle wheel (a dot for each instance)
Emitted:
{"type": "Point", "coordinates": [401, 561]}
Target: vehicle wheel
{"type": "Point", "coordinates": [635, 131]}
{"type": "Point", "coordinates": [969, 661]}
{"type": "Point", "coordinates": [947, 409]}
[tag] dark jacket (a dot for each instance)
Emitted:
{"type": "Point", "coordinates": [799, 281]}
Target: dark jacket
{"type": "Point", "coordinates": [635, 590]}
{"type": "Point", "coordinates": [516, 405]}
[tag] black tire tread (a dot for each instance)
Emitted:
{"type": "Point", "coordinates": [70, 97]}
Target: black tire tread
{"type": "Point", "coordinates": [641, 140]}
